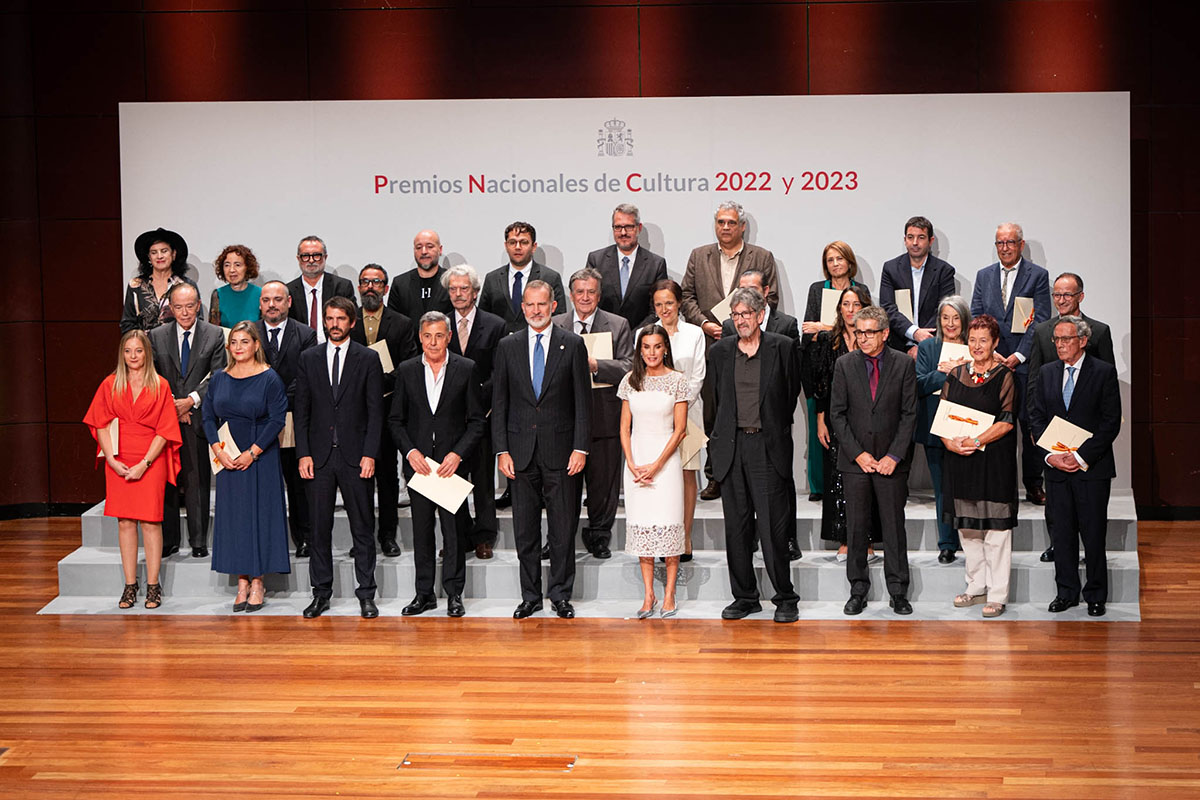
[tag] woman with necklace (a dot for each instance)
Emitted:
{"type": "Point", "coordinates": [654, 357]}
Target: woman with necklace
{"type": "Point", "coordinates": [162, 263]}
{"type": "Point", "coordinates": [237, 300]}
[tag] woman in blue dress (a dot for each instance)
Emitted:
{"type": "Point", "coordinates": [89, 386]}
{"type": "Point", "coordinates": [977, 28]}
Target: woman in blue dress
{"type": "Point", "coordinates": [250, 536]}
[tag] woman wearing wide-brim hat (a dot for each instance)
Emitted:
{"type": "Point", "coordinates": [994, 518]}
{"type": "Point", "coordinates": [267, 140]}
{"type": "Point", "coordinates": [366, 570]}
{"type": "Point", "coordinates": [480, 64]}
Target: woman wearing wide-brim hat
{"type": "Point", "coordinates": [162, 262]}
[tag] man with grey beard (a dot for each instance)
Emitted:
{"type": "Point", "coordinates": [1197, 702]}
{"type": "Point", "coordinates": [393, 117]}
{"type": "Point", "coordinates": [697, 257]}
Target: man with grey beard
{"type": "Point", "coordinates": [378, 323]}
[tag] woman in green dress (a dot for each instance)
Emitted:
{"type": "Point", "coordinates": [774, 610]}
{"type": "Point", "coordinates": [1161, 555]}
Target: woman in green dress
{"type": "Point", "coordinates": [237, 300]}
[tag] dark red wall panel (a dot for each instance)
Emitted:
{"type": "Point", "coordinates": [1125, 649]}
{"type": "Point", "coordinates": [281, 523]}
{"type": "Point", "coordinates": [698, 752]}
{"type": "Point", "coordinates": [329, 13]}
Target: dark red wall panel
{"type": "Point", "coordinates": [1175, 168]}
{"type": "Point", "coordinates": [78, 356]}
{"type": "Point", "coordinates": [18, 168]}
{"type": "Point", "coordinates": [73, 464]}
{"type": "Point", "coordinates": [84, 267]}
{"type": "Point", "coordinates": [16, 65]}
{"type": "Point", "coordinates": [21, 299]}
{"type": "Point", "coordinates": [86, 63]}
{"type": "Point", "coordinates": [22, 365]}
{"type": "Point", "coordinates": [79, 172]}
{"type": "Point", "coordinates": [24, 478]}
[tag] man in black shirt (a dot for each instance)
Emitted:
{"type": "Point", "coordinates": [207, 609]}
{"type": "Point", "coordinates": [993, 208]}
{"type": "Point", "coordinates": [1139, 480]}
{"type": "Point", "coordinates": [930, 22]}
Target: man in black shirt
{"type": "Point", "coordinates": [420, 289]}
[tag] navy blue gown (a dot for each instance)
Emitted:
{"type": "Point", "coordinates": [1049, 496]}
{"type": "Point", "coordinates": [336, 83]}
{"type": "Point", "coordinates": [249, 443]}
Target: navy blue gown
{"type": "Point", "coordinates": [250, 534]}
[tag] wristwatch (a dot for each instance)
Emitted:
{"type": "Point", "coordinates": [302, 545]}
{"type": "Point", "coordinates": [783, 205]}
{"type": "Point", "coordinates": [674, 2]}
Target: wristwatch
{"type": "Point", "coordinates": [148, 463]}
{"type": "Point", "coordinates": [255, 455]}
{"type": "Point", "coordinates": [977, 441]}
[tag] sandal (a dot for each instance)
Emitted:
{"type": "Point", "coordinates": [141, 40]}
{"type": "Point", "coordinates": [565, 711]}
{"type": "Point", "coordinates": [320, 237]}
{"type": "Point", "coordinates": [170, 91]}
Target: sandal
{"type": "Point", "coordinates": [993, 609]}
{"type": "Point", "coordinates": [129, 596]}
{"type": "Point", "coordinates": [153, 595]}
{"type": "Point", "coordinates": [965, 600]}
{"type": "Point", "coordinates": [256, 589]}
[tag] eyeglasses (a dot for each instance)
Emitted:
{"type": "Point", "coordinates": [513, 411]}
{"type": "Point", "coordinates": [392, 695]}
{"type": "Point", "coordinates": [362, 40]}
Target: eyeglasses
{"type": "Point", "coordinates": [310, 256]}
{"type": "Point", "coordinates": [624, 228]}
{"type": "Point", "coordinates": [372, 282]}
{"type": "Point", "coordinates": [728, 223]}
{"type": "Point", "coordinates": [744, 314]}
{"type": "Point", "coordinates": [865, 334]}
{"type": "Point", "coordinates": [1004, 244]}
{"type": "Point", "coordinates": [1064, 295]}
{"type": "Point", "coordinates": [1058, 339]}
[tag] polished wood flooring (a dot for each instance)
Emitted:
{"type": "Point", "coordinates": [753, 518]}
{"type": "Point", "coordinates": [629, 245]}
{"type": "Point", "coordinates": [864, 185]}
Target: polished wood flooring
{"type": "Point", "coordinates": [276, 707]}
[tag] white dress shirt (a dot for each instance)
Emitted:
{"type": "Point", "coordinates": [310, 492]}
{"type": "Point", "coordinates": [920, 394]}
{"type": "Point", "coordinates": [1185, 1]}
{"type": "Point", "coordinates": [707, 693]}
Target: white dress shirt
{"type": "Point", "coordinates": [1083, 464]}
{"type": "Point", "coordinates": [434, 383]}
{"type": "Point", "coordinates": [917, 274]}
{"type": "Point", "coordinates": [545, 334]}
{"type": "Point", "coordinates": [308, 299]}
{"type": "Point", "coordinates": [330, 347]}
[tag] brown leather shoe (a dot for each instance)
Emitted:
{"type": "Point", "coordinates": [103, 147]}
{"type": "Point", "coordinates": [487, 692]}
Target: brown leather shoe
{"type": "Point", "coordinates": [483, 550]}
{"type": "Point", "coordinates": [712, 491]}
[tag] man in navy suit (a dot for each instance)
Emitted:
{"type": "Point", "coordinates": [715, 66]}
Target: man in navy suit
{"type": "Point", "coordinates": [284, 340]}
{"type": "Point", "coordinates": [997, 288]}
{"type": "Point", "coordinates": [339, 418]}
{"type": "Point", "coordinates": [504, 287]}
{"type": "Point", "coordinates": [541, 415]}
{"type": "Point", "coordinates": [436, 413]}
{"type": "Point", "coordinates": [1084, 391]}
{"type": "Point", "coordinates": [925, 277]}
{"type": "Point", "coordinates": [475, 335]}
{"type": "Point", "coordinates": [314, 286]}
{"type": "Point", "coordinates": [628, 271]}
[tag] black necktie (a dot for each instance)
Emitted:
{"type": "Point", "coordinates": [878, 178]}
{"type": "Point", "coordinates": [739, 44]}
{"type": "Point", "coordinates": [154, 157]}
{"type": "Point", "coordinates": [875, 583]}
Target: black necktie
{"type": "Point", "coordinates": [275, 339]}
{"type": "Point", "coordinates": [185, 353]}
{"type": "Point", "coordinates": [337, 353]}
{"type": "Point", "coordinates": [582, 326]}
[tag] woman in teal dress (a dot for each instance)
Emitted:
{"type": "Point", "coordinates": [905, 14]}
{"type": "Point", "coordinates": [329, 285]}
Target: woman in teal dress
{"type": "Point", "coordinates": [237, 300]}
{"type": "Point", "coordinates": [250, 534]}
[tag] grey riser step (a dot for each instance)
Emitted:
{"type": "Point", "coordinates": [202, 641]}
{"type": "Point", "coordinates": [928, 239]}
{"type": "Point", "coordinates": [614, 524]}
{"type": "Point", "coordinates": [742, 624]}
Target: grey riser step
{"type": "Point", "coordinates": [96, 571]}
{"type": "Point", "coordinates": [708, 532]}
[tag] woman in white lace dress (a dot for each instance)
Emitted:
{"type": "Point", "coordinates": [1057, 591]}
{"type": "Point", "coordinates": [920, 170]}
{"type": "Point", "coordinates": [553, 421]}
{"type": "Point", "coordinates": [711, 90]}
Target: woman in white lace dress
{"type": "Point", "coordinates": [653, 423]}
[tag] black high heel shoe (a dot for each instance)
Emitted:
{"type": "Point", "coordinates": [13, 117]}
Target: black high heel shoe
{"type": "Point", "coordinates": [241, 606]}
{"type": "Point", "coordinates": [252, 607]}
{"type": "Point", "coordinates": [129, 596]}
{"type": "Point", "coordinates": [153, 595]}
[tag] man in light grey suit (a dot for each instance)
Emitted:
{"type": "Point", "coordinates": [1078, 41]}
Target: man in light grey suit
{"type": "Point", "coordinates": [712, 273]}
{"type": "Point", "coordinates": [603, 471]}
{"type": "Point", "coordinates": [186, 352]}
{"type": "Point", "coordinates": [628, 272]}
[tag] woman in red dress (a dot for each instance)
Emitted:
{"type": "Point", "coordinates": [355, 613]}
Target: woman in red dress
{"type": "Point", "coordinates": [135, 476]}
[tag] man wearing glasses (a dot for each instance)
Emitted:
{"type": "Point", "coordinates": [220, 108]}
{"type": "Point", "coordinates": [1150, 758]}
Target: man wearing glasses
{"type": "Point", "coordinates": [628, 272]}
{"type": "Point", "coordinates": [873, 411]}
{"type": "Point", "coordinates": [504, 287]}
{"type": "Point", "coordinates": [314, 286]}
{"type": "Point", "coordinates": [1010, 285]}
{"type": "Point", "coordinates": [1067, 297]}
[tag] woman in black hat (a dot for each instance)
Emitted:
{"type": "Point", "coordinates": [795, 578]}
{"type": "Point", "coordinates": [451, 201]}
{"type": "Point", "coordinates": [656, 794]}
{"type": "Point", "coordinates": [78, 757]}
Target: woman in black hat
{"type": "Point", "coordinates": [162, 262]}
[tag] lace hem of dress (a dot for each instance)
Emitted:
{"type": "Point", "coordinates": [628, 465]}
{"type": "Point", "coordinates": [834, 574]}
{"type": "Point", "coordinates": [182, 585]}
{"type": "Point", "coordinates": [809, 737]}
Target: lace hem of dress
{"type": "Point", "coordinates": [664, 539]}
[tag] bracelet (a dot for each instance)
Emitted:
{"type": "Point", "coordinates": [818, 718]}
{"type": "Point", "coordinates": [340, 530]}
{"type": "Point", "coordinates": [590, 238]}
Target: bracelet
{"type": "Point", "coordinates": [148, 462]}
{"type": "Point", "coordinates": [977, 441]}
{"type": "Point", "coordinates": [254, 455]}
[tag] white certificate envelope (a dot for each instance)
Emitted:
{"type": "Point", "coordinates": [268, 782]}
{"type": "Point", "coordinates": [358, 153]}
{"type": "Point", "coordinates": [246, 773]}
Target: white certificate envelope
{"type": "Point", "coordinates": [722, 310]}
{"type": "Point", "coordinates": [953, 420]}
{"type": "Point", "coordinates": [226, 442]}
{"type": "Point", "coordinates": [1061, 436]}
{"type": "Point", "coordinates": [904, 304]}
{"type": "Point", "coordinates": [449, 493]}
{"type": "Point", "coordinates": [830, 298]}
{"type": "Point", "coordinates": [952, 351]}
{"type": "Point", "coordinates": [113, 434]}
{"type": "Point", "coordinates": [385, 355]}
{"type": "Point", "coordinates": [287, 436]}
{"type": "Point", "coordinates": [692, 443]}
{"type": "Point", "coordinates": [599, 347]}
{"type": "Point", "coordinates": [1022, 314]}
{"type": "Point", "coordinates": [226, 331]}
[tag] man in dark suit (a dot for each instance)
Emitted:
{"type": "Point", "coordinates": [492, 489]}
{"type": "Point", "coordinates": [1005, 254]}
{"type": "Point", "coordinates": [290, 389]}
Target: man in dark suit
{"type": "Point", "coordinates": [421, 289]}
{"type": "Point", "coordinates": [925, 277]}
{"type": "Point", "coordinates": [712, 273]}
{"type": "Point", "coordinates": [996, 289]}
{"type": "Point", "coordinates": [1084, 391]}
{"type": "Point", "coordinates": [186, 352]}
{"type": "Point", "coordinates": [475, 335]}
{"type": "Point", "coordinates": [284, 340]}
{"type": "Point", "coordinates": [755, 386]}
{"type": "Point", "coordinates": [437, 413]}
{"type": "Point", "coordinates": [339, 416]}
{"type": "Point", "coordinates": [1067, 297]}
{"type": "Point", "coordinates": [785, 325]}
{"type": "Point", "coordinates": [873, 412]}
{"type": "Point", "coordinates": [603, 471]}
{"type": "Point", "coordinates": [376, 323]}
{"type": "Point", "coordinates": [314, 286]}
{"type": "Point", "coordinates": [504, 286]}
{"type": "Point", "coordinates": [541, 409]}
{"type": "Point", "coordinates": [628, 272]}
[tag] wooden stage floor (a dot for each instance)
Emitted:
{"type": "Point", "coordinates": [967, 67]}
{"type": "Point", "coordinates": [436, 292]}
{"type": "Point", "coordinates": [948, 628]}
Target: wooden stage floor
{"type": "Point", "coordinates": [275, 707]}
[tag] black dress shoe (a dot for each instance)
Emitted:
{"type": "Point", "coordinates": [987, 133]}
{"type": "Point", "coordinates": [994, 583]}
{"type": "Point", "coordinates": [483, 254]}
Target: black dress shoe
{"type": "Point", "coordinates": [368, 608]}
{"type": "Point", "coordinates": [1036, 495]}
{"type": "Point", "coordinates": [302, 550]}
{"type": "Point", "coordinates": [793, 550]}
{"type": "Point", "coordinates": [739, 609]}
{"type": "Point", "coordinates": [483, 550]}
{"type": "Point", "coordinates": [1047, 555]}
{"type": "Point", "coordinates": [564, 609]}
{"type": "Point", "coordinates": [1095, 609]}
{"type": "Point", "coordinates": [199, 552]}
{"type": "Point", "coordinates": [854, 605]}
{"type": "Point", "coordinates": [815, 497]}
{"type": "Point", "coordinates": [419, 605]}
{"type": "Point", "coordinates": [900, 604]}
{"type": "Point", "coordinates": [711, 492]}
{"type": "Point", "coordinates": [1060, 604]}
{"type": "Point", "coordinates": [170, 551]}
{"type": "Point", "coordinates": [505, 500]}
{"type": "Point", "coordinates": [602, 551]}
{"type": "Point", "coordinates": [787, 613]}
{"type": "Point", "coordinates": [946, 557]}
{"type": "Point", "coordinates": [527, 608]}
{"type": "Point", "coordinates": [545, 552]}
{"type": "Point", "coordinates": [389, 547]}
{"type": "Point", "coordinates": [316, 608]}
{"type": "Point", "coordinates": [454, 606]}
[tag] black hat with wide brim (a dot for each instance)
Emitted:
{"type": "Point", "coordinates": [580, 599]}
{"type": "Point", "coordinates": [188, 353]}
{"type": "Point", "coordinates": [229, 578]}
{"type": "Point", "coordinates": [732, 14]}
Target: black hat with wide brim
{"type": "Point", "coordinates": [141, 246]}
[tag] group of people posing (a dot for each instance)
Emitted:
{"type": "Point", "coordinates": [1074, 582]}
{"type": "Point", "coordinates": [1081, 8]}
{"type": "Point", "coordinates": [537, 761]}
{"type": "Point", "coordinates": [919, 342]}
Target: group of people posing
{"type": "Point", "coordinates": [305, 394]}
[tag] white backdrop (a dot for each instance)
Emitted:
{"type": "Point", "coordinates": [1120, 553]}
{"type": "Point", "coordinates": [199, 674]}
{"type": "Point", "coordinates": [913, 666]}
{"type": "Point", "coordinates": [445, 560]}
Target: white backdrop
{"type": "Point", "coordinates": [366, 176]}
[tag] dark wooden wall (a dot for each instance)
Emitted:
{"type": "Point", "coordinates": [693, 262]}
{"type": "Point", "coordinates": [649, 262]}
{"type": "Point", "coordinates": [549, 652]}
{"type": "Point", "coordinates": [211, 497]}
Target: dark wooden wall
{"type": "Point", "coordinates": [64, 67]}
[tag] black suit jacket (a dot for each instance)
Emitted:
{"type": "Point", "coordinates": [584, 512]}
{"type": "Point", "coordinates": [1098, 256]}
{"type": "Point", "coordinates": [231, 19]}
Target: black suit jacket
{"type": "Point", "coordinates": [777, 322]}
{"type": "Point", "coordinates": [405, 296]}
{"type": "Point", "coordinates": [647, 269]}
{"type": "Point", "coordinates": [331, 286]}
{"type": "Point", "coordinates": [1095, 406]}
{"type": "Point", "coordinates": [206, 356]}
{"type": "Point", "coordinates": [1042, 352]}
{"type": "Point", "coordinates": [296, 338]}
{"type": "Point", "coordinates": [606, 406]}
{"type": "Point", "coordinates": [401, 337]}
{"type": "Point", "coordinates": [486, 333]}
{"type": "Point", "coordinates": [457, 424]}
{"type": "Point", "coordinates": [937, 282]}
{"type": "Point", "coordinates": [778, 386]}
{"type": "Point", "coordinates": [356, 410]}
{"type": "Point", "coordinates": [881, 427]}
{"type": "Point", "coordinates": [556, 423]}
{"type": "Point", "coordinates": [496, 297]}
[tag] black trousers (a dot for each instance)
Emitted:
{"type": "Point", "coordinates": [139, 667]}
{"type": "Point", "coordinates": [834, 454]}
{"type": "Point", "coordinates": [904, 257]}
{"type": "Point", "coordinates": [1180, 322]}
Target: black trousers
{"type": "Point", "coordinates": [387, 483]}
{"type": "Point", "coordinates": [337, 474]}
{"type": "Point", "coordinates": [755, 503]}
{"type": "Point", "coordinates": [708, 395]}
{"type": "Point", "coordinates": [889, 491]}
{"type": "Point", "coordinates": [455, 527]}
{"type": "Point", "coordinates": [1031, 455]}
{"type": "Point", "coordinates": [483, 475]}
{"type": "Point", "coordinates": [603, 477]}
{"type": "Point", "coordinates": [535, 485]}
{"type": "Point", "coordinates": [193, 481]}
{"type": "Point", "coordinates": [299, 519]}
{"type": "Point", "coordinates": [1080, 511]}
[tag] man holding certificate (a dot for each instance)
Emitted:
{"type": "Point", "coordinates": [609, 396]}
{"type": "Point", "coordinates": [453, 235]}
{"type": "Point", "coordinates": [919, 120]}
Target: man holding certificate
{"type": "Point", "coordinates": [911, 287]}
{"type": "Point", "coordinates": [610, 355]}
{"type": "Point", "coordinates": [1076, 415]}
{"type": "Point", "coordinates": [437, 414]}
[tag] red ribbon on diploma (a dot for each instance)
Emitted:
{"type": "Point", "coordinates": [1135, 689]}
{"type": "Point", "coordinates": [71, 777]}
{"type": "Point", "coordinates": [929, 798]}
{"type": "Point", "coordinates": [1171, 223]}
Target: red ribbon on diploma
{"type": "Point", "coordinates": [1059, 447]}
{"type": "Point", "coordinates": [967, 420]}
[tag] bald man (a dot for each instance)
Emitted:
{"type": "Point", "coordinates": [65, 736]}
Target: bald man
{"type": "Point", "coordinates": [420, 289]}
